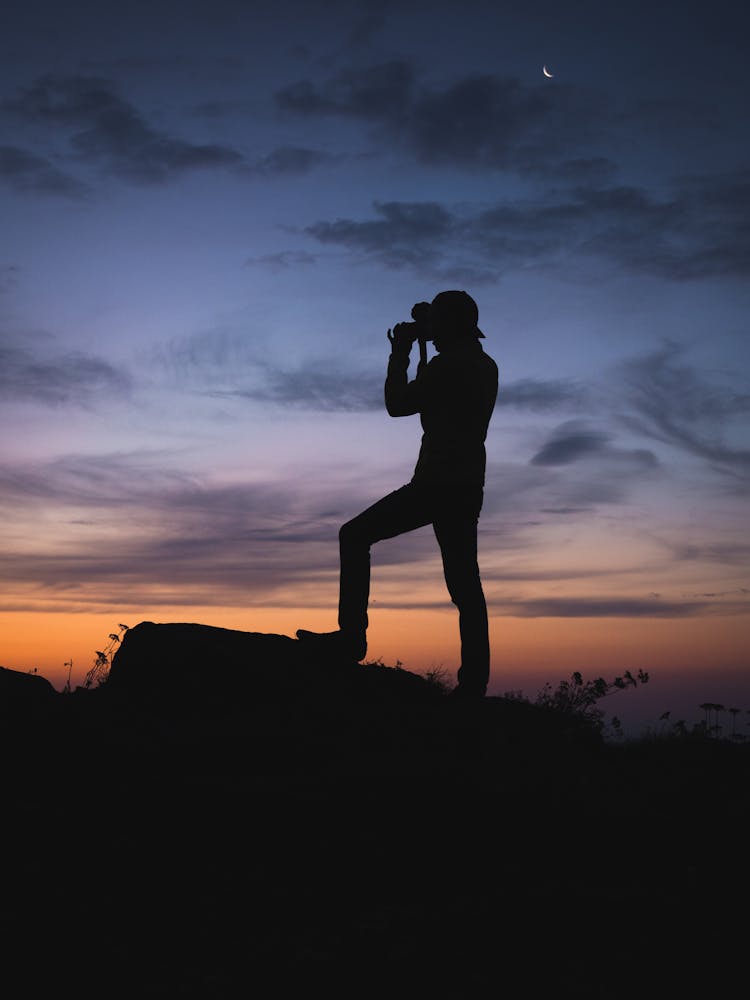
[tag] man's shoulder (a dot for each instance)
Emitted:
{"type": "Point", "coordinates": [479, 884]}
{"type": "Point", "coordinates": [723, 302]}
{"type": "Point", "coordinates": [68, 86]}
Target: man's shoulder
{"type": "Point", "coordinates": [483, 361]}
{"type": "Point", "coordinates": [461, 360]}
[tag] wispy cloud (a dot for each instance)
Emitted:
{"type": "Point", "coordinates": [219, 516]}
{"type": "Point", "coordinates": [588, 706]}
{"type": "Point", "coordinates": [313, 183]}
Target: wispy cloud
{"type": "Point", "coordinates": [322, 386]}
{"type": "Point", "coordinates": [292, 161]}
{"type": "Point", "coordinates": [493, 121]}
{"type": "Point", "coordinates": [542, 395]}
{"type": "Point", "coordinates": [107, 130]}
{"type": "Point", "coordinates": [597, 607]}
{"type": "Point", "coordinates": [573, 441]}
{"type": "Point", "coordinates": [407, 234]}
{"type": "Point", "coordinates": [482, 120]}
{"type": "Point", "coordinates": [548, 135]}
{"type": "Point", "coordinates": [696, 233]}
{"type": "Point", "coordinates": [282, 261]}
{"type": "Point", "coordinates": [31, 174]}
{"type": "Point", "coordinates": [129, 530]}
{"type": "Point", "coordinates": [229, 363]}
{"type": "Point", "coordinates": [536, 493]}
{"type": "Point", "coordinates": [423, 237]}
{"type": "Point", "coordinates": [716, 553]}
{"type": "Point", "coordinates": [8, 278]}
{"type": "Point", "coordinates": [479, 121]}
{"type": "Point", "coordinates": [378, 93]}
{"type": "Point", "coordinates": [671, 401]}
{"type": "Point", "coordinates": [54, 380]}
{"type": "Point", "coordinates": [127, 527]}
{"type": "Point", "coordinates": [570, 446]}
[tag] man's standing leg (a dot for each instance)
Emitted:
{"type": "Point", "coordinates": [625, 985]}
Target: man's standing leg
{"type": "Point", "coordinates": [456, 532]}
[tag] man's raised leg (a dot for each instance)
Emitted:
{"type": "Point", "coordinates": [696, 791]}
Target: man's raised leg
{"type": "Point", "coordinates": [403, 510]}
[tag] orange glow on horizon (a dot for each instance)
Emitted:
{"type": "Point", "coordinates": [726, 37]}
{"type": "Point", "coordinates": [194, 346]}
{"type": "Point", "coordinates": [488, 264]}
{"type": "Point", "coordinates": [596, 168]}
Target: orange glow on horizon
{"type": "Point", "coordinates": [421, 639]}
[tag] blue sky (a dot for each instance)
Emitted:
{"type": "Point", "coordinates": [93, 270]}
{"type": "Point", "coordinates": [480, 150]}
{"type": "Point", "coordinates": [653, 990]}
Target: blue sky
{"type": "Point", "coordinates": [211, 215]}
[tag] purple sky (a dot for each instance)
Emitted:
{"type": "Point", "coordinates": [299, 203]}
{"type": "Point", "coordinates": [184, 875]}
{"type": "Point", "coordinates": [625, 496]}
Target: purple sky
{"type": "Point", "coordinates": [212, 213]}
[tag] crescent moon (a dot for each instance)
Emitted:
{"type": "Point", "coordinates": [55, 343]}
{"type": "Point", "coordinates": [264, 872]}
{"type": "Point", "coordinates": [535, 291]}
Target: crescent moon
{"type": "Point", "coordinates": [547, 73]}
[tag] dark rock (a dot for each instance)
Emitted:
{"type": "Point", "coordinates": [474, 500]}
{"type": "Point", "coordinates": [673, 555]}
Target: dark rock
{"type": "Point", "coordinates": [17, 687]}
{"type": "Point", "coordinates": [179, 663]}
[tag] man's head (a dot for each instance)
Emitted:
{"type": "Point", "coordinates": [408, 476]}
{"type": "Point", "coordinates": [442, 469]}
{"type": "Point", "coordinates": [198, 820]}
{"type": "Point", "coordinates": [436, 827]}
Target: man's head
{"type": "Point", "coordinates": [453, 318]}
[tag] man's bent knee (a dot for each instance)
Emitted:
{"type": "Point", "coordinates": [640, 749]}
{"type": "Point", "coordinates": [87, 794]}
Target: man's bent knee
{"type": "Point", "coordinates": [351, 535]}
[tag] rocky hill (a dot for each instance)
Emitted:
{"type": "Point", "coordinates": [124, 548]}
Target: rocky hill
{"type": "Point", "coordinates": [226, 817]}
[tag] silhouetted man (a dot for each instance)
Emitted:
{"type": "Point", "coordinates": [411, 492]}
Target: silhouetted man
{"type": "Point", "coordinates": [454, 394]}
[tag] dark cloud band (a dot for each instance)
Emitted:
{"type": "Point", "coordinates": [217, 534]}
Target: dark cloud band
{"type": "Point", "coordinates": [68, 379]}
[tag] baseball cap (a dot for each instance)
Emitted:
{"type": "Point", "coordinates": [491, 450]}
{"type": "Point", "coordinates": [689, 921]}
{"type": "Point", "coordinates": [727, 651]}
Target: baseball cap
{"type": "Point", "coordinates": [462, 308]}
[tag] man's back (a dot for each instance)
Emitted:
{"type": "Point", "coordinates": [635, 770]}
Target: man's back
{"type": "Point", "coordinates": [454, 395]}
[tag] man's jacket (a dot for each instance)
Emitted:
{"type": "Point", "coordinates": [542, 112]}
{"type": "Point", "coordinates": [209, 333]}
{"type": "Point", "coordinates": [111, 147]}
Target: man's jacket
{"type": "Point", "coordinates": [454, 395]}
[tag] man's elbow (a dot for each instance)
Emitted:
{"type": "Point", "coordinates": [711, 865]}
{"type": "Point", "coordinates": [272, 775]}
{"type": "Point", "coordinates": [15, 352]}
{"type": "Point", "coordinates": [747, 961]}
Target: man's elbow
{"type": "Point", "coordinates": [399, 402]}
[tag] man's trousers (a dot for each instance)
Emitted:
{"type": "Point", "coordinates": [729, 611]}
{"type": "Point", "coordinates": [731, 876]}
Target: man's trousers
{"type": "Point", "coordinates": [453, 512]}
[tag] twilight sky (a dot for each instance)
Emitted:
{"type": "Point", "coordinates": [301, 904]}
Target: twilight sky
{"type": "Point", "coordinates": [210, 215]}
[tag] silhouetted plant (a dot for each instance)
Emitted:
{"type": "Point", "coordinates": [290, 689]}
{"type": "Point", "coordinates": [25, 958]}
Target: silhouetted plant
{"type": "Point", "coordinates": [69, 665]}
{"type": "Point", "coordinates": [712, 728]}
{"type": "Point", "coordinates": [734, 712]}
{"type": "Point", "coordinates": [615, 727]}
{"type": "Point", "coordinates": [100, 671]}
{"type": "Point", "coordinates": [718, 709]}
{"type": "Point", "coordinates": [667, 730]}
{"type": "Point", "coordinates": [709, 727]}
{"type": "Point", "coordinates": [580, 698]}
{"type": "Point", "coordinates": [437, 677]}
{"type": "Point", "coordinates": [378, 662]}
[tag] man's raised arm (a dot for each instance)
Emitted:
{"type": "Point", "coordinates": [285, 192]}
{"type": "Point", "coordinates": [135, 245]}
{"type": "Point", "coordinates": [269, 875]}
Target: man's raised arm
{"type": "Point", "coordinates": [402, 398]}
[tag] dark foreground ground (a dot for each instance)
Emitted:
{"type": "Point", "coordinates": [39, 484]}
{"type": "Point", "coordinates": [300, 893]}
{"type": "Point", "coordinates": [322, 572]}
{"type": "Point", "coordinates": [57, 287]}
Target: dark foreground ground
{"type": "Point", "coordinates": [366, 846]}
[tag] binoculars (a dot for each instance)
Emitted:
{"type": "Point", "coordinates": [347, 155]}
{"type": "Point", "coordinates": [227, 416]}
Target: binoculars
{"type": "Point", "coordinates": [419, 314]}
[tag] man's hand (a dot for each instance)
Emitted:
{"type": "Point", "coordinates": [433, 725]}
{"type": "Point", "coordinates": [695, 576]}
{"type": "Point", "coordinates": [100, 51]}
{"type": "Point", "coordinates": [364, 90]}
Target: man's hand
{"type": "Point", "coordinates": [402, 337]}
